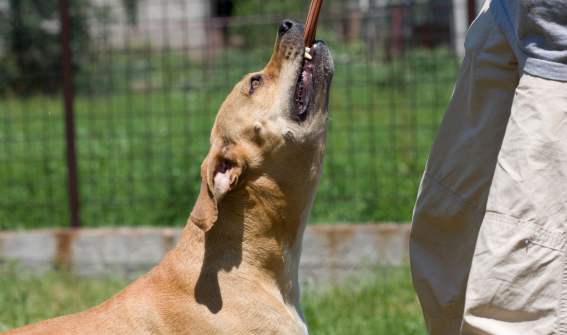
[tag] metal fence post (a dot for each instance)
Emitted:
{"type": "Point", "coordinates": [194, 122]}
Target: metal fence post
{"type": "Point", "coordinates": [67, 72]}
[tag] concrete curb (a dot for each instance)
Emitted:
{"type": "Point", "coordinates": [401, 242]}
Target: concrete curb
{"type": "Point", "coordinates": [330, 252]}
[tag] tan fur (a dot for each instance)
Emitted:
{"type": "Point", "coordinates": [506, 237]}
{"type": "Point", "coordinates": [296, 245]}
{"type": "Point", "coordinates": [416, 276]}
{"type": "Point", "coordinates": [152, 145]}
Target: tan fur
{"type": "Point", "coordinates": [234, 270]}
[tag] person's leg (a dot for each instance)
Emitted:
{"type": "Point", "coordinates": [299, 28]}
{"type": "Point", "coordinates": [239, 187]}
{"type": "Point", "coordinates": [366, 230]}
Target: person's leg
{"type": "Point", "coordinates": [452, 198]}
{"type": "Point", "coordinates": [518, 279]}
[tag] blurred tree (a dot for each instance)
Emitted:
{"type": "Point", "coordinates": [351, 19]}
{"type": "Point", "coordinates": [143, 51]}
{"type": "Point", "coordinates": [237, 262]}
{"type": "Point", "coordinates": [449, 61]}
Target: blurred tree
{"type": "Point", "coordinates": [131, 8]}
{"type": "Point", "coordinates": [255, 34]}
{"type": "Point", "coordinates": [223, 9]}
{"type": "Point", "coordinates": [255, 7]}
{"type": "Point", "coordinates": [30, 33]}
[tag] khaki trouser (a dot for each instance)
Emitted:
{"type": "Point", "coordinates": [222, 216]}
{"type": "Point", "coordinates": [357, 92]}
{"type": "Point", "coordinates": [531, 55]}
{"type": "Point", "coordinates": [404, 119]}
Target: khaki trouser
{"type": "Point", "coordinates": [489, 233]}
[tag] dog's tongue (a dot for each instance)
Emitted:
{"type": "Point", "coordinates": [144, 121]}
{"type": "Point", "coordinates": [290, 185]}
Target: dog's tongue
{"type": "Point", "coordinates": [304, 86]}
{"type": "Point", "coordinates": [305, 83]}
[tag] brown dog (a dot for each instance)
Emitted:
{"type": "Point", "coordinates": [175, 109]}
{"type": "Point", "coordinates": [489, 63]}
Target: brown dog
{"type": "Point", "coordinates": [234, 270]}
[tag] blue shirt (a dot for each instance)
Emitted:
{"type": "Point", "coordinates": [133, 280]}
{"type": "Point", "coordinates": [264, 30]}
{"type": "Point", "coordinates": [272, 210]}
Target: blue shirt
{"type": "Point", "coordinates": [537, 32]}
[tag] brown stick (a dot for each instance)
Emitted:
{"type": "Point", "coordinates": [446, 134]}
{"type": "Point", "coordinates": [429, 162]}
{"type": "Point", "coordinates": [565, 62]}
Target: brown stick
{"type": "Point", "coordinates": [312, 20]}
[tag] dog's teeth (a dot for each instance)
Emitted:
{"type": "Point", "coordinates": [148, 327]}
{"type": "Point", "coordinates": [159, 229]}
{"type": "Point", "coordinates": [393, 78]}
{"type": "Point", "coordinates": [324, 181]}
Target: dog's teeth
{"type": "Point", "coordinates": [307, 49]}
{"type": "Point", "coordinates": [308, 56]}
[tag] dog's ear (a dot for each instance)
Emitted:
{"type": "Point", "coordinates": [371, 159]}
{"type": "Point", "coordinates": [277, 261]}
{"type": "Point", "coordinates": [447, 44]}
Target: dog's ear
{"type": "Point", "coordinates": [205, 212]}
{"type": "Point", "coordinates": [219, 174]}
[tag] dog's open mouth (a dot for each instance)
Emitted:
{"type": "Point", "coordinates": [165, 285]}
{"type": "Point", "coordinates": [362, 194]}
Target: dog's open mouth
{"type": "Point", "coordinates": [305, 82]}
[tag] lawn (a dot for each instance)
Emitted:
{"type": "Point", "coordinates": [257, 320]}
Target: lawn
{"type": "Point", "coordinates": [382, 303]}
{"type": "Point", "coordinates": [139, 149]}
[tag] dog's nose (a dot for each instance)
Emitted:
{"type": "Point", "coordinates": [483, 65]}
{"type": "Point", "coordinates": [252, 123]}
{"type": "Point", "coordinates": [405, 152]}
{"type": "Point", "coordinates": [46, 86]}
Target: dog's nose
{"type": "Point", "coordinates": [285, 26]}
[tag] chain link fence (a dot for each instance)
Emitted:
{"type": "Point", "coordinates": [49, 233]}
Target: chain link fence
{"type": "Point", "coordinates": [148, 77]}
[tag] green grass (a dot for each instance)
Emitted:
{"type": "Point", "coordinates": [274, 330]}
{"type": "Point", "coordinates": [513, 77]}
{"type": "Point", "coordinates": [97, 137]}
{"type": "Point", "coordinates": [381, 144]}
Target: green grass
{"type": "Point", "coordinates": [139, 152]}
{"type": "Point", "coordinates": [27, 298]}
{"type": "Point", "coordinates": [382, 303]}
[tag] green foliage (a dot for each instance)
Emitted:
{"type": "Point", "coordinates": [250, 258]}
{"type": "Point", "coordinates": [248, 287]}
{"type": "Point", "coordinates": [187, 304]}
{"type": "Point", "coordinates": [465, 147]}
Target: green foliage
{"type": "Point", "coordinates": [257, 31]}
{"type": "Point", "coordinates": [255, 7]}
{"type": "Point", "coordinates": [383, 302]}
{"type": "Point", "coordinates": [139, 152]}
{"type": "Point", "coordinates": [31, 35]}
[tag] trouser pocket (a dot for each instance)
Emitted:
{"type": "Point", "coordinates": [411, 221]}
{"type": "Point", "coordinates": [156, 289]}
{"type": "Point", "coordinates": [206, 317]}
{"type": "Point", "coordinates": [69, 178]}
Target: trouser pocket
{"type": "Point", "coordinates": [516, 280]}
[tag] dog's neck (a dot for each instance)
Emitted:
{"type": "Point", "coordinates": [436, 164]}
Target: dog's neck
{"type": "Point", "coordinates": [254, 242]}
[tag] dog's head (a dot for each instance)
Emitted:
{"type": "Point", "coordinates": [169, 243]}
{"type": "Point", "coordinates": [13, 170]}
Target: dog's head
{"type": "Point", "coordinates": [271, 130]}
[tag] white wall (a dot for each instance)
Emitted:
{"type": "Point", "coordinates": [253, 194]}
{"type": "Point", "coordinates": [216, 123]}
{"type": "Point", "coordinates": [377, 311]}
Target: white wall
{"type": "Point", "coordinates": [161, 23]}
{"type": "Point", "coordinates": [460, 24]}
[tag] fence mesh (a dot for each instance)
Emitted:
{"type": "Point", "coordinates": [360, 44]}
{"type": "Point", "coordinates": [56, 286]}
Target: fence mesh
{"type": "Point", "coordinates": [150, 75]}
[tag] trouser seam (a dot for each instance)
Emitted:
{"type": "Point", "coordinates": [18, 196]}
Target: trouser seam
{"type": "Point", "coordinates": [447, 312]}
{"type": "Point", "coordinates": [469, 211]}
{"type": "Point", "coordinates": [544, 237]}
{"type": "Point", "coordinates": [563, 307]}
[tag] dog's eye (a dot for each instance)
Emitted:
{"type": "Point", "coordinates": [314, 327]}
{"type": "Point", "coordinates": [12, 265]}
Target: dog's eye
{"type": "Point", "coordinates": [255, 82]}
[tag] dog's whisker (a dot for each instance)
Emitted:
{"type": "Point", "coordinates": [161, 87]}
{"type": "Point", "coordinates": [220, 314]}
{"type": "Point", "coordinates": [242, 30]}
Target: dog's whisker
{"type": "Point", "coordinates": [329, 118]}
